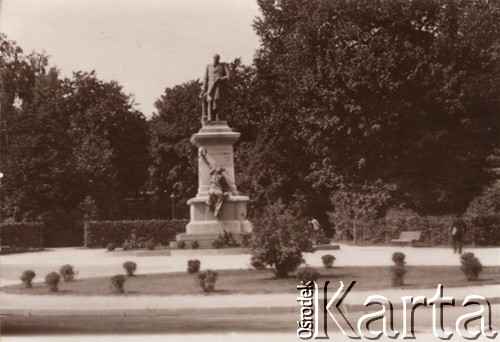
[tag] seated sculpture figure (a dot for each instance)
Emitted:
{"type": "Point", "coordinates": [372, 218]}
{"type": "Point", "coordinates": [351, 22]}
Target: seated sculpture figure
{"type": "Point", "coordinates": [218, 191]}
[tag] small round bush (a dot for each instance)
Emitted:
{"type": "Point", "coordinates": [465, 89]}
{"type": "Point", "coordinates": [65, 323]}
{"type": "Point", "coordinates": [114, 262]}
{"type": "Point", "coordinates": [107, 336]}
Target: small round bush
{"type": "Point", "coordinates": [52, 280]}
{"type": "Point", "coordinates": [471, 266]}
{"type": "Point", "coordinates": [111, 246]}
{"type": "Point", "coordinates": [398, 270]}
{"type": "Point", "coordinates": [130, 267]}
{"type": "Point", "coordinates": [328, 260]}
{"type": "Point", "coordinates": [117, 282]}
{"type": "Point", "coordinates": [398, 258]}
{"type": "Point", "coordinates": [307, 274]}
{"type": "Point", "coordinates": [195, 244]}
{"type": "Point", "coordinates": [257, 263]}
{"type": "Point", "coordinates": [150, 245]}
{"type": "Point", "coordinates": [67, 272]}
{"type": "Point", "coordinates": [27, 277]}
{"type": "Point", "coordinates": [207, 279]}
{"type": "Point", "coordinates": [181, 244]}
{"type": "Point", "coordinates": [246, 239]}
{"type": "Point", "coordinates": [193, 266]}
{"type": "Point", "coordinates": [398, 273]}
{"type": "Point", "coordinates": [217, 243]}
{"type": "Point", "coordinates": [291, 259]}
{"type": "Point", "coordinates": [126, 246]}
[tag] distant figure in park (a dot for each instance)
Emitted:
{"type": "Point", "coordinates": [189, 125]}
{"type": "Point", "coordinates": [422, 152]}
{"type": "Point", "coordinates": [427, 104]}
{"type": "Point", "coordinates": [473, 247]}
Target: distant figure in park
{"type": "Point", "coordinates": [214, 90]}
{"type": "Point", "coordinates": [315, 224]}
{"type": "Point", "coordinates": [218, 190]}
{"type": "Point", "coordinates": [457, 235]}
{"type": "Point", "coordinates": [316, 231]}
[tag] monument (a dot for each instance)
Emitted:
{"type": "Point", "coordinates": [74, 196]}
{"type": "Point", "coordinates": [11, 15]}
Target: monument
{"type": "Point", "coordinates": [217, 207]}
{"type": "Point", "coordinates": [214, 90]}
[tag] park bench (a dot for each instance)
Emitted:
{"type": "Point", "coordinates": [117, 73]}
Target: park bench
{"type": "Point", "coordinates": [5, 249]}
{"type": "Point", "coordinates": [407, 237]}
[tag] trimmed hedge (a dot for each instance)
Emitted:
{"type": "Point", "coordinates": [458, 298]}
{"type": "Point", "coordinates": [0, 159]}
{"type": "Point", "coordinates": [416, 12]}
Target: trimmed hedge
{"type": "Point", "coordinates": [435, 229]}
{"type": "Point", "coordinates": [484, 229]}
{"type": "Point", "coordinates": [22, 234]}
{"type": "Point", "coordinates": [160, 232]}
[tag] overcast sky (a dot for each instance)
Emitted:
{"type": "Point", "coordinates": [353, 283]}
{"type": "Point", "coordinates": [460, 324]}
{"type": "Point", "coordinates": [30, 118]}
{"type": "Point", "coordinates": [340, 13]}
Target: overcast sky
{"type": "Point", "coordinates": [145, 45]}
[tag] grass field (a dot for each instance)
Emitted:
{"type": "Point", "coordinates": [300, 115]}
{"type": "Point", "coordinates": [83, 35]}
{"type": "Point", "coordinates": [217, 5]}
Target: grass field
{"type": "Point", "coordinates": [254, 281]}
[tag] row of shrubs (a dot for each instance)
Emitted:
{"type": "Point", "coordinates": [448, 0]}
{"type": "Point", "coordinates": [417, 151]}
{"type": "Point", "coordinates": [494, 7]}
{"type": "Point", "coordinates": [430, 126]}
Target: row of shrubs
{"type": "Point", "coordinates": [150, 245]}
{"type": "Point", "coordinates": [52, 279]}
{"type": "Point", "coordinates": [224, 240]}
{"type": "Point", "coordinates": [68, 274]}
{"type": "Point", "coordinates": [118, 280]}
{"type": "Point", "coordinates": [21, 235]}
{"type": "Point", "coordinates": [206, 279]}
{"type": "Point", "coordinates": [182, 244]}
{"type": "Point", "coordinates": [136, 233]}
{"type": "Point", "coordinates": [471, 267]}
{"type": "Point", "coordinates": [481, 230]}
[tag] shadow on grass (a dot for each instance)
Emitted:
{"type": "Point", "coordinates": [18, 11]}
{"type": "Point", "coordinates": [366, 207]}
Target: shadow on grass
{"type": "Point", "coordinates": [130, 292]}
{"type": "Point", "coordinates": [273, 278]}
{"type": "Point", "coordinates": [59, 292]}
{"type": "Point", "coordinates": [216, 292]}
{"type": "Point", "coordinates": [335, 275]}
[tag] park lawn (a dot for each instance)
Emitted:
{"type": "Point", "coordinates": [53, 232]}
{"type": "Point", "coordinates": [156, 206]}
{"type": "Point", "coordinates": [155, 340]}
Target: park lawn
{"type": "Point", "coordinates": [251, 281]}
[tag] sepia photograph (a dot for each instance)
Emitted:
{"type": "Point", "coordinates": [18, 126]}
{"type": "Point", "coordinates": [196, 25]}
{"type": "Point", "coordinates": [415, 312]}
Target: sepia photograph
{"type": "Point", "coordinates": [249, 170]}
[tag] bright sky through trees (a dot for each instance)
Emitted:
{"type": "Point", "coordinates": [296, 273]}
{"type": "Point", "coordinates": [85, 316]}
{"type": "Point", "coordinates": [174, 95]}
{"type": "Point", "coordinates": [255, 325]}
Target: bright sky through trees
{"type": "Point", "coordinates": [144, 45]}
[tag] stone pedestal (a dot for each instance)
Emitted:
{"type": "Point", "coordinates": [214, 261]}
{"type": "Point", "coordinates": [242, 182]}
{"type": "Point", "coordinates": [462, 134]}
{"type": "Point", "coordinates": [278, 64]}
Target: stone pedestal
{"type": "Point", "coordinates": [215, 148]}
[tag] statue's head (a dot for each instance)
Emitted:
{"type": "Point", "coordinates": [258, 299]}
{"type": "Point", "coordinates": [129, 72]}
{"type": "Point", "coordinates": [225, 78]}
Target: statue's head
{"type": "Point", "coordinates": [216, 59]}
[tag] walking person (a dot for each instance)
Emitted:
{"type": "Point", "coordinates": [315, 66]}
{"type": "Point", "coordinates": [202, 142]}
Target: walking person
{"type": "Point", "coordinates": [457, 235]}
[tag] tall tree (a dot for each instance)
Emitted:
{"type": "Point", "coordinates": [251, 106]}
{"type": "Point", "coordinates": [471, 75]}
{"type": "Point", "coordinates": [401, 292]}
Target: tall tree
{"type": "Point", "coordinates": [401, 91]}
{"type": "Point", "coordinates": [173, 158]}
{"type": "Point", "coordinates": [111, 140]}
{"type": "Point", "coordinates": [65, 139]}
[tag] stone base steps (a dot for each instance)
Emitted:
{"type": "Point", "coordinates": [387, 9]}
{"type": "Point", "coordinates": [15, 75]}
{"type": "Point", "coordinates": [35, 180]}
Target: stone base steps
{"type": "Point", "coordinates": [212, 251]}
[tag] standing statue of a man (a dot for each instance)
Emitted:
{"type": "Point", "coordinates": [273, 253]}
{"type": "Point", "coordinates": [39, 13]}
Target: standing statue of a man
{"type": "Point", "coordinates": [214, 90]}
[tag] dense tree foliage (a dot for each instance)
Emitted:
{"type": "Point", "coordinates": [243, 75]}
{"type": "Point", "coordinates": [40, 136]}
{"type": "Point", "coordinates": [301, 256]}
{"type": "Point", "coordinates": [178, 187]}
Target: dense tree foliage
{"type": "Point", "coordinates": [365, 105]}
{"type": "Point", "coordinates": [483, 212]}
{"type": "Point", "coordinates": [280, 236]}
{"type": "Point", "coordinates": [64, 140]}
{"type": "Point", "coordinates": [357, 205]}
{"type": "Point", "coordinates": [174, 168]}
{"type": "Point", "coordinates": [403, 91]}
{"type": "Point", "coordinates": [350, 108]}
{"type": "Point", "coordinates": [111, 140]}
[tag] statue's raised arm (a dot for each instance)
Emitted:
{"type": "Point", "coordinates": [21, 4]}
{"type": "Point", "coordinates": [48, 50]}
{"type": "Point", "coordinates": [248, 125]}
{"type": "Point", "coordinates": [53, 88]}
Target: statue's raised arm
{"type": "Point", "coordinates": [214, 90]}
